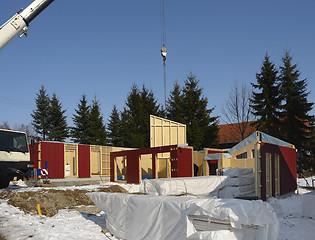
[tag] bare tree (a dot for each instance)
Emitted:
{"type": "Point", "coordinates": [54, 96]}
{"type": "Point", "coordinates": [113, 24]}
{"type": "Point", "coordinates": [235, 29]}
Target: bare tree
{"type": "Point", "coordinates": [5, 125]}
{"type": "Point", "coordinates": [236, 110]}
{"type": "Point", "coordinates": [25, 128]}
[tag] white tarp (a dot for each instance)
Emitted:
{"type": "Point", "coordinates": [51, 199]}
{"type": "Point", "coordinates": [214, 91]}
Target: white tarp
{"type": "Point", "coordinates": [220, 186]}
{"type": "Point", "coordinates": [179, 186]}
{"type": "Point", "coordinates": [241, 181]}
{"type": "Point", "coordinates": [235, 191]}
{"type": "Point", "coordinates": [136, 217]}
{"type": "Point", "coordinates": [236, 172]}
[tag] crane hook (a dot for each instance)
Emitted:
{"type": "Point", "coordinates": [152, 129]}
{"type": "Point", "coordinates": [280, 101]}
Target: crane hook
{"type": "Point", "coordinates": [164, 52]}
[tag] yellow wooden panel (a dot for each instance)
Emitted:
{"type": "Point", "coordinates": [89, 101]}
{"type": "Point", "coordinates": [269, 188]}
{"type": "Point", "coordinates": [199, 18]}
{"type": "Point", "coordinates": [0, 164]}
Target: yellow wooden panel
{"type": "Point", "coordinates": [95, 163]}
{"type": "Point", "coordinates": [146, 164]}
{"type": "Point", "coordinates": [164, 132]}
{"type": "Point", "coordinates": [70, 162]}
{"type": "Point", "coordinates": [162, 168]}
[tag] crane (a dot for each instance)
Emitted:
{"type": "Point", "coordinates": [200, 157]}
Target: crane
{"type": "Point", "coordinates": [19, 23]}
{"type": "Point", "coordinates": [164, 49]}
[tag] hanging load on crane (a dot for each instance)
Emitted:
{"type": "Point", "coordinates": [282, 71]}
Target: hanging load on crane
{"type": "Point", "coordinates": [164, 52]}
{"type": "Point", "coordinates": [18, 24]}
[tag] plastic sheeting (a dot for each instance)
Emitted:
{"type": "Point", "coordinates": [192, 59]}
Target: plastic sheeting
{"type": "Point", "coordinates": [235, 191]}
{"type": "Point", "coordinates": [269, 139]}
{"type": "Point", "coordinates": [179, 186]}
{"type": "Point", "coordinates": [264, 137]}
{"type": "Point", "coordinates": [217, 156]}
{"type": "Point", "coordinates": [236, 172]}
{"type": "Point", "coordinates": [244, 143]}
{"type": "Point", "coordinates": [238, 182]}
{"type": "Point", "coordinates": [136, 217]}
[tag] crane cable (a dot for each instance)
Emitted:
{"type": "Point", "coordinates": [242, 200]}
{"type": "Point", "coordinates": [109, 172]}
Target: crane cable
{"type": "Point", "coordinates": [163, 41]}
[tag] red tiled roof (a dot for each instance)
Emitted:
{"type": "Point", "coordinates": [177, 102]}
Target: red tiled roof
{"type": "Point", "coordinates": [228, 133]}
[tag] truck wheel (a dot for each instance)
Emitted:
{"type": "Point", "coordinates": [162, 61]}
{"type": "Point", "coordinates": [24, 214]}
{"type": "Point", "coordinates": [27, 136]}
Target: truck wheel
{"type": "Point", "coordinates": [4, 183]}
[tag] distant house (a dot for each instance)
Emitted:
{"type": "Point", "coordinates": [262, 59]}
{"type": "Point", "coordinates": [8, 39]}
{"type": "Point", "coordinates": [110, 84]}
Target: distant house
{"type": "Point", "coordinates": [229, 134]}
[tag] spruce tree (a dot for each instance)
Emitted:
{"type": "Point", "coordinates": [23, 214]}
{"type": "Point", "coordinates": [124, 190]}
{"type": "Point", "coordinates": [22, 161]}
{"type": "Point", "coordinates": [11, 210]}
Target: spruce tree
{"type": "Point", "coordinates": [132, 114]}
{"type": "Point", "coordinates": [80, 133]}
{"type": "Point", "coordinates": [201, 127]}
{"type": "Point", "coordinates": [97, 127]}
{"type": "Point", "coordinates": [115, 128]}
{"type": "Point", "coordinates": [174, 106]}
{"type": "Point", "coordinates": [41, 114]}
{"type": "Point", "coordinates": [266, 101]}
{"type": "Point", "coordinates": [58, 128]}
{"type": "Point", "coordinates": [296, 121]}
{"type": "Point", "coordinates": [150, 106]}
{"type": "Point", "coordinates": [136, 117]}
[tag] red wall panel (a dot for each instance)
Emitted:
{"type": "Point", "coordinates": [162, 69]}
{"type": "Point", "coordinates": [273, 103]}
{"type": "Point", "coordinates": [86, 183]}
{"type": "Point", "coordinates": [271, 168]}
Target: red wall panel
{"type": "Point", "coordinates": [133, 166]}
{"type": "Point", "coordinates": [34, 154]}
{"type": "Point", "coordinates": [185, 165]}
{"type": "Point", "coordinates": [215, 151]}
{"type": "Point", "coordinates": [288, 173]}
{"type": "Point", "coordinates": [84, 161]}
{"type": "Point", "coordinates": [53, 153]}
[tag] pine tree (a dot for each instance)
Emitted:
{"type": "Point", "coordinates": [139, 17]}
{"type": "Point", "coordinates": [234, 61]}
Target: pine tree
{"type": "Point", "coordinates": [41, 114]}
{"type": "Point", "coordinates": [115, 128]}
{"type": "Point", "coordinates": [98, 134]}
{"type": "Point", "coordinates": [58, 128]}
{"type": "Point", "coordinates": [296, 124]}
{"type": "Point", "coordinates": [202, 129]}
{"type": "Point", "coordinates": [266, 102]}
{"type": "Point", "coordinates": [80, 133]}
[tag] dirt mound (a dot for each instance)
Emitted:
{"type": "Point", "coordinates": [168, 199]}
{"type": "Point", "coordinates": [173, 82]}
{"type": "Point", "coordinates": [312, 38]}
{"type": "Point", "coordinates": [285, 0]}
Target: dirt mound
{"type": "Point", "coordinates": [52, 200]}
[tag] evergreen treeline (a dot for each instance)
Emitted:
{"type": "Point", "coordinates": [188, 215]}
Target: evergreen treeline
{"type": "Point", "coordinates": [281, 107]}
{"type": "Point", "coordinates": [131, 126]}
{"type": "Point", "coordinates": [279, 104]}
{"type": "Point", "coordinates": [49, 120]}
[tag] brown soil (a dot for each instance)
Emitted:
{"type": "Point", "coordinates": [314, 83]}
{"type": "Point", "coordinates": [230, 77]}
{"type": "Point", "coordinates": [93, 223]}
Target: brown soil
{"type": "Point", "coordinates": [52, 200]}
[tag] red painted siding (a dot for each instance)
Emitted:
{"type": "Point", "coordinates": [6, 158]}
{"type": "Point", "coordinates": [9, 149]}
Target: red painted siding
{"type": "Point", "coordinates": [84, 161]}
{"type": "Point", "coordinates": [215, 151]}
{"type": "Point", "coordinates": [113, 178]}
{"type": "Point", "coordinates": [53, 153]}
{"type": "Point", "coordinates": [185, 165]}
{"type": "Point", "coordinates": [34, 154]}
{"type": "Point", "coordinates": [288, 173]}
{"type": "Point", "coordinates": [133, 166]}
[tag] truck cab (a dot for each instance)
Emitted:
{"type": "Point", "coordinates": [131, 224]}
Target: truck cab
{"type": "Point", "coordinates": [14, 157]}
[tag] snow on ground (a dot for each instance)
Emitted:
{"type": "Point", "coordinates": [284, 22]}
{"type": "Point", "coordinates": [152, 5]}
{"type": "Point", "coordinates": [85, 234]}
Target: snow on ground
{"type": "Point", "coordinates": [72, 224]}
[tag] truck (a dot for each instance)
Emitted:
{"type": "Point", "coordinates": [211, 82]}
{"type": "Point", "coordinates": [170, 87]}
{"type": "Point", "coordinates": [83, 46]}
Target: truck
{"type": "Point", "coordinates": [14, 157]}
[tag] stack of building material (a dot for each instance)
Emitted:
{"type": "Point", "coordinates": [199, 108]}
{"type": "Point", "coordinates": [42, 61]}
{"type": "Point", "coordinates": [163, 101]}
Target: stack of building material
{"type": "Point", "coordinates": [135, 217]}
{"type": "Point", "coordinates": [233, 182]}
{"type": "Point", "coordinates": [181, 186]}
{"type": "Point", "coordinates": [241, 183]}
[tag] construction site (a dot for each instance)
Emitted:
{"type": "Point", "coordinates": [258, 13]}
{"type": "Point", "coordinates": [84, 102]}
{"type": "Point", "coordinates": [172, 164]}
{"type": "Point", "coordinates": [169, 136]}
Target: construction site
{"type": "Point", "coordinates": [246, 187]}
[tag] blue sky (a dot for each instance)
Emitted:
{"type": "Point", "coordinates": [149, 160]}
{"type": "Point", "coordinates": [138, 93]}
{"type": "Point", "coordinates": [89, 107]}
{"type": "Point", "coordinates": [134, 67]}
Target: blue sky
{"type": "Point", "coordinates": [101, 47]}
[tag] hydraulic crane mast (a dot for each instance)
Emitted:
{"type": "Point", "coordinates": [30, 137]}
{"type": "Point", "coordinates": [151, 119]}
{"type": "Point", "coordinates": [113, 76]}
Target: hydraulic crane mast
{"type": "Point", "coordinates": [18, 24]}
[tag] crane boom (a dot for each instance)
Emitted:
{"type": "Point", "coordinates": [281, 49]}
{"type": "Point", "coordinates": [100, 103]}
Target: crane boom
{"type": "Point", "coordinates": [18, 24]}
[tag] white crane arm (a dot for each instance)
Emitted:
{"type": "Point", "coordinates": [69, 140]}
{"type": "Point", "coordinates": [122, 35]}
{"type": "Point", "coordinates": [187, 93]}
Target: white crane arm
{"type": "Point", "coordinates": [18, 24]}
